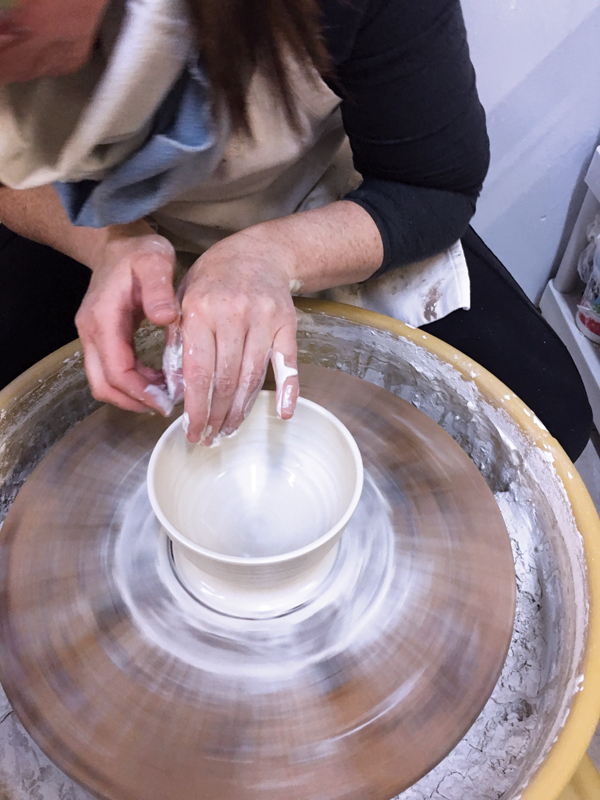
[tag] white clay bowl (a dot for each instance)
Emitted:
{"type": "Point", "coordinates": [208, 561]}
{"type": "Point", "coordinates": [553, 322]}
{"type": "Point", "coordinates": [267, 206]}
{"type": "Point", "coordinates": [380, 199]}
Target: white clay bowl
{"type": "Point", "coordinates": [254, 522]}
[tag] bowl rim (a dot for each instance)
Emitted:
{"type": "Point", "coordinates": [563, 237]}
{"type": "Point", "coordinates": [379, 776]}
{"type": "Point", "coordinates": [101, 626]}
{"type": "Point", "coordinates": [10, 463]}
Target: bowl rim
{"type": "Point", "coordinates": [281, 558]}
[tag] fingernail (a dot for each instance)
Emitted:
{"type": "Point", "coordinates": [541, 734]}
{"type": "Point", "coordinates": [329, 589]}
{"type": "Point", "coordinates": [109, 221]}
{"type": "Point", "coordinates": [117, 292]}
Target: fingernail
{"type": "Point", "coordinates": [287, 398]}
{"type": "Point", "coordinates": [284, 401]}
{"type": "Point", "coordinates": [229, 432]}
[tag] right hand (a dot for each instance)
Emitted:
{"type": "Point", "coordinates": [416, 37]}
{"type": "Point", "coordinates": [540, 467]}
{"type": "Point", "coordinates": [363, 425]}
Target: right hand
{"type": "Point", "coordinates": [132, 279]}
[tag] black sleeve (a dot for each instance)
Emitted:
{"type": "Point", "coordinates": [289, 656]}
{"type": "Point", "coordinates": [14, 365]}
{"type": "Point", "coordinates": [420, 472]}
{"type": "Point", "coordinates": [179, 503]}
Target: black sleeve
{"type": "Point", "coordinates": [415, 123]}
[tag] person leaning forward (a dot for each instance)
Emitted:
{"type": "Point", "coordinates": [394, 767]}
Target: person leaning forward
{"type": "Point", "coordinates": [290, 147]}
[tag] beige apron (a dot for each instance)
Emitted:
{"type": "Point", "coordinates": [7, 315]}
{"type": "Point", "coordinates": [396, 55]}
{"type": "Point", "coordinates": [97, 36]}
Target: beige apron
{"type": "Point", "coordinates": [78, 126]}
{"type": "Point", "coordinates": [272, 174]}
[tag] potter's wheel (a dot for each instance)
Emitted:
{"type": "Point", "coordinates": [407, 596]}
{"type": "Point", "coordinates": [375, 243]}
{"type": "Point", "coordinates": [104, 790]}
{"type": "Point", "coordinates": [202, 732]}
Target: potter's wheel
{"type": "Point", "coordinates": [140, 692]}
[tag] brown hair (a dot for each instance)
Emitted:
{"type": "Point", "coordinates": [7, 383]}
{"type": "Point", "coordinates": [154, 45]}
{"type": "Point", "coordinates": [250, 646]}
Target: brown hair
{"type": "Point", "coordinates": [237, 36]}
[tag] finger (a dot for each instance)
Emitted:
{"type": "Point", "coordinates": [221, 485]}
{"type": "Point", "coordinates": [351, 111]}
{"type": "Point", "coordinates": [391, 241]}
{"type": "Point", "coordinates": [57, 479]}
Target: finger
{"type": "Point", "coordinates": [152, 375]}
{"type": "Point", "coordinates": [228, 360]}
{"type": "Point", "coordinates": [199, 352]}
{"type": "Point", "coordinates": [252, 377]}
{"type": "Point", "coordinates": [284, 360]}
{"type": "Point", "coordinates": [172, 363]}
{"type": "Point", "coordinates": [100, 388]}
{"type": "Point", "coordinates": [113, 344]}
{"type": "Point", "coordinates": [154, 270]}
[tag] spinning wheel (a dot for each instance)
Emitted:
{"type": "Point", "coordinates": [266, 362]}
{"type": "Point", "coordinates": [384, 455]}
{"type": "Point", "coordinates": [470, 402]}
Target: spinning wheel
{"type": "Point", "coordinates": [138, 691]}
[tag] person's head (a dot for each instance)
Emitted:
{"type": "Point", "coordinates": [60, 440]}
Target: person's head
{"type": "Point", "coordinates": [41, 38]}
{"type": "Point", "coordinates": [54, 37]}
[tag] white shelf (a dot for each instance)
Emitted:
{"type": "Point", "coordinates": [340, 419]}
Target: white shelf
{"type": "Point", "coordinates": [561, 295]}
{"type": "Point", "coordinates": [559, 310]}
{"type": "Point", "coordinates": [566, 278]}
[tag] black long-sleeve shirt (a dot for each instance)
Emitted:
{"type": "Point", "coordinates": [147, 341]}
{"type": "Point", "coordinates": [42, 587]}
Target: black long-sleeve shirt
{"type": "Point", "coordinates": [413, 117]}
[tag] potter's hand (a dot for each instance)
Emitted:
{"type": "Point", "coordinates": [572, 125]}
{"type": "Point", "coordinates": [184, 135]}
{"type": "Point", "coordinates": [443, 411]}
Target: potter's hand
{"type": "Point", "coordinates": [132, 278]}
{"type": "Point", "coordinates": [237, 312]}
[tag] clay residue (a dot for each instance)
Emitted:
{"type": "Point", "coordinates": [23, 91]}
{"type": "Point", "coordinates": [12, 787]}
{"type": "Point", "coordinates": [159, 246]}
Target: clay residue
{"type": "Point", "coordinates": [529, 706]}
{"type": "Point", "coordinates": [526, 712]}
{"type": "Point", "coordinates": [431, 299]}
{"type": "Point", "coordinates": [486, 763]}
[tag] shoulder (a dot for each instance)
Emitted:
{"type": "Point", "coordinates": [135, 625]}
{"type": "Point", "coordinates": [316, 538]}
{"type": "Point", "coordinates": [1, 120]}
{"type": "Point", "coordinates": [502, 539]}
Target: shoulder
{"type": "Point", "coordinates": [354, 28]}
{"type": "Point", "coordinates": [341, 22]}
{"type": "Point", "coordinates": [409, 98]}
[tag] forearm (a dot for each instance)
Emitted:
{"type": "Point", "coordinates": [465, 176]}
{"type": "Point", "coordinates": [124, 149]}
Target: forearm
{"type": "Point", "coordinates": [325, 247]}
{"type": "Point", "coordinates": [38, 215]}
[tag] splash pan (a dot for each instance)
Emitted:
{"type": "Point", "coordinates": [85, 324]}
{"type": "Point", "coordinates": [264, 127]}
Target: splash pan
{"type": "Point", "coordinates": [536, 710]}
{"type": "Point", "coordinates": [358, 691]}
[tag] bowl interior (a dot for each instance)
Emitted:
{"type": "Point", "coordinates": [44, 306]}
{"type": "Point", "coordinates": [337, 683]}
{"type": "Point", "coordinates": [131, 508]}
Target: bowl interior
{"type": "Point", "coordinates": [273, 488]}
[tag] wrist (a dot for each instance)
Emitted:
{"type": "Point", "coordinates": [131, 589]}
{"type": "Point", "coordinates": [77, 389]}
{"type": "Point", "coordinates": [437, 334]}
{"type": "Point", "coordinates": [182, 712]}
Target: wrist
{"type": "Point", "coordinates": [324, 247]}
{"type": "Point", "coordinates": [269, 240]}
{"type": "Point", "coordinates": [109, 241]}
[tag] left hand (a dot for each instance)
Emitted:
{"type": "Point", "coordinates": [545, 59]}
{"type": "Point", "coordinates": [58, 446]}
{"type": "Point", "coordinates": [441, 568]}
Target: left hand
{"type": "Point", "coordinates": [237, 313]}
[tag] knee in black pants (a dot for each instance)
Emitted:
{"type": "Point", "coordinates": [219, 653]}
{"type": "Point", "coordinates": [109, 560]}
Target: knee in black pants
{"type": "Point", "coordinates": [506, 334]}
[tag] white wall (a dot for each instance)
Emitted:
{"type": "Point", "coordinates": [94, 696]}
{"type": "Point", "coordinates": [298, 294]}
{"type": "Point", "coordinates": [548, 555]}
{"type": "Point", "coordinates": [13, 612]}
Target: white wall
{"type": "Point", "coordinates": [538, 70]}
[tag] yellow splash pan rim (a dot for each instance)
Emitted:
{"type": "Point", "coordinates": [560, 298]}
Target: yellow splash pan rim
{"type": "Point", "coordinates": [569, 749]}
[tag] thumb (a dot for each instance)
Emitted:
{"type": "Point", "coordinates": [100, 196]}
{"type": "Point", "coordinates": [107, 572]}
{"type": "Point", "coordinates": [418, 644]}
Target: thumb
{"type": "Point", "coordinates": [155, 274]}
